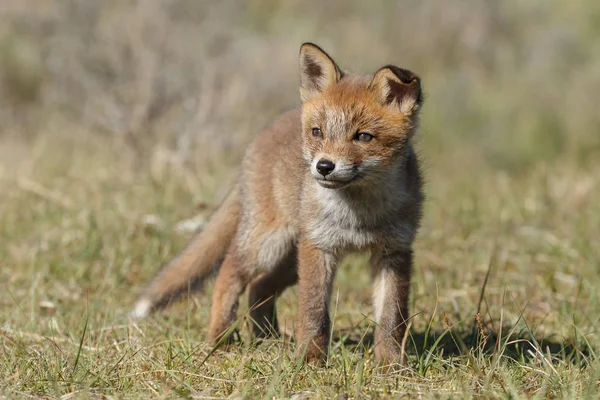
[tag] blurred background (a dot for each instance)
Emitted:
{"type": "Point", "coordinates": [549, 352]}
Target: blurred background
{"type": "Point", "coordinates": [122, 124]}
{"type": "Point", "coordinates": [185, 82]}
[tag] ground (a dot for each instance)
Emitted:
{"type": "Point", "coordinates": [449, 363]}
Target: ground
{"type": "Point", "coordinates": [505, 291]}
{"type": "Point", "coordinates": [122, 124]}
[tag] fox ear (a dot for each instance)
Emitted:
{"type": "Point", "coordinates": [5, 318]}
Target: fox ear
{"type": "Point", "coordinates": [317, 71]}
{"type": "Point", "coordinates": [399, 88]}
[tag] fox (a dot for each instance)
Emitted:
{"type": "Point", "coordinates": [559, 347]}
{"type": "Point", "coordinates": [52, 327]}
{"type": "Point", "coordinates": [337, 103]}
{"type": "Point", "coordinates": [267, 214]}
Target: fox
{"type": "Point", "coordinates": [337, 175]}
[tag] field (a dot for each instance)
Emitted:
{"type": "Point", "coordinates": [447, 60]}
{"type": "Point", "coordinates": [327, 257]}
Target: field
{"type": "Point", "coordinates": [122, 124]}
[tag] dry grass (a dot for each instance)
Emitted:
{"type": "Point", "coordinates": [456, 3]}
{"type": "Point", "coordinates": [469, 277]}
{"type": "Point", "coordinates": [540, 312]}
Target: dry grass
{"type": "Point", "coordinates": [118, 119]}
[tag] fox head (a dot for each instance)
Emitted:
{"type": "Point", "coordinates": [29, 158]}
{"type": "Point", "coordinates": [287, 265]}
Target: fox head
{"type": "Point", "coordinates": [354, 128]}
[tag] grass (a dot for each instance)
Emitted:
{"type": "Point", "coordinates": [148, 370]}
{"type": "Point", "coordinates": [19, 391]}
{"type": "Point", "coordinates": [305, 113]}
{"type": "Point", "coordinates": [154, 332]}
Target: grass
{"type": "Point", "coordinates": [119, 120]}
{"type": "Point", "coordinates": [505, 292]}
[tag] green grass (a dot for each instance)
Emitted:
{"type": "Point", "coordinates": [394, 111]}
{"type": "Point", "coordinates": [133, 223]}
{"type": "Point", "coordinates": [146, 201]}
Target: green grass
{"type": "Point", "coordinates": [119, 119]}
{"type": "Point", "coordinates": [77, 248]}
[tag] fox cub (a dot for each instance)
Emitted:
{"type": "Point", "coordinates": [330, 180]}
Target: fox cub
{"type": "Point", "coordinates": [338, 176]}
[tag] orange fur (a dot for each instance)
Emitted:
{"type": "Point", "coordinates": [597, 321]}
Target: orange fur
{"type": "Point", "coordinates": [338, 176]}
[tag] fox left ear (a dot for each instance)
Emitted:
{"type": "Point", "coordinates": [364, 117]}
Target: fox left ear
{"type": "Point", "coordinates": [317, 71]}
{"type": "Point", "coordinates": [399, 88]}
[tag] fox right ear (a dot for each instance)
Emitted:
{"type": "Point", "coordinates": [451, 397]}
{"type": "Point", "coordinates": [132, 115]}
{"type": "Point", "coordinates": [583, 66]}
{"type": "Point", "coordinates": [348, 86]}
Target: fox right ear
{"type": "Point", "coordinates": [317, 71]}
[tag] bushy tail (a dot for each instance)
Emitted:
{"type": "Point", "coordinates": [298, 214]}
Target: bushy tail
{"type": "Point", "coordinates": [196, 262]}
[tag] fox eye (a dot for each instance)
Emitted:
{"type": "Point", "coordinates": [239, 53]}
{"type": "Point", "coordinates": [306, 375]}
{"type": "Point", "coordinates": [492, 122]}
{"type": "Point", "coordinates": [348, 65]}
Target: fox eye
{"type": "Point", "coordinates": [316, 132]}
{"type": "Point", "coordinates": [363, 137]}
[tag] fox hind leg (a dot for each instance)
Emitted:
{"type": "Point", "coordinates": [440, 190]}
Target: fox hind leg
{"type": "Point", "coordinates": [263, 292]}
{"type": "Point", "coordinates": [229, 285]}
{"type": "Point", "coordinates": [273, 256]}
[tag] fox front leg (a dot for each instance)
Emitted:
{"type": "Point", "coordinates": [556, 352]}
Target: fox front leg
{"type": "Point", "coordinates": [316, 272]}
{"type": "Point", "coordinates": [391, 285]}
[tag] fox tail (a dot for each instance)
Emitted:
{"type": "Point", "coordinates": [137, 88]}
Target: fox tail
{"type": "Point", "coordinates": [198, 261]}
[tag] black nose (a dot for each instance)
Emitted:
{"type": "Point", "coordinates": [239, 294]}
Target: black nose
{"type": "Point", "coordinates": [325, 166]}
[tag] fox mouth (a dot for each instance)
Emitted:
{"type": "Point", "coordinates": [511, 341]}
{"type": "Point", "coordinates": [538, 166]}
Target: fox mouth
{"type": "Point", "coordinates": [335, 183]}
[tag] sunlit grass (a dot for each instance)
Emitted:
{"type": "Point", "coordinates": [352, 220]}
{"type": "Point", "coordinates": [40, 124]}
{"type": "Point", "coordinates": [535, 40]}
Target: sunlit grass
{"type": "Point", "coordinates": [119, 120]}
{"type": "Point", "coordinates": [78, 246]}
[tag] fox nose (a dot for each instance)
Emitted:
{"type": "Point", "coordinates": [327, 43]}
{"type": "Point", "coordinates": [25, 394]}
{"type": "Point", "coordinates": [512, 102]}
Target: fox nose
{"type": "Point", "coordinates": [325, 166]}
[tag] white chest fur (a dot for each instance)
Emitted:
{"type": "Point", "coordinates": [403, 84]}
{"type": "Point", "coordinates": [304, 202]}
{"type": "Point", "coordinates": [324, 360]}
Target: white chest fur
{"type": "Point", "coordinates": [341, 223]}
